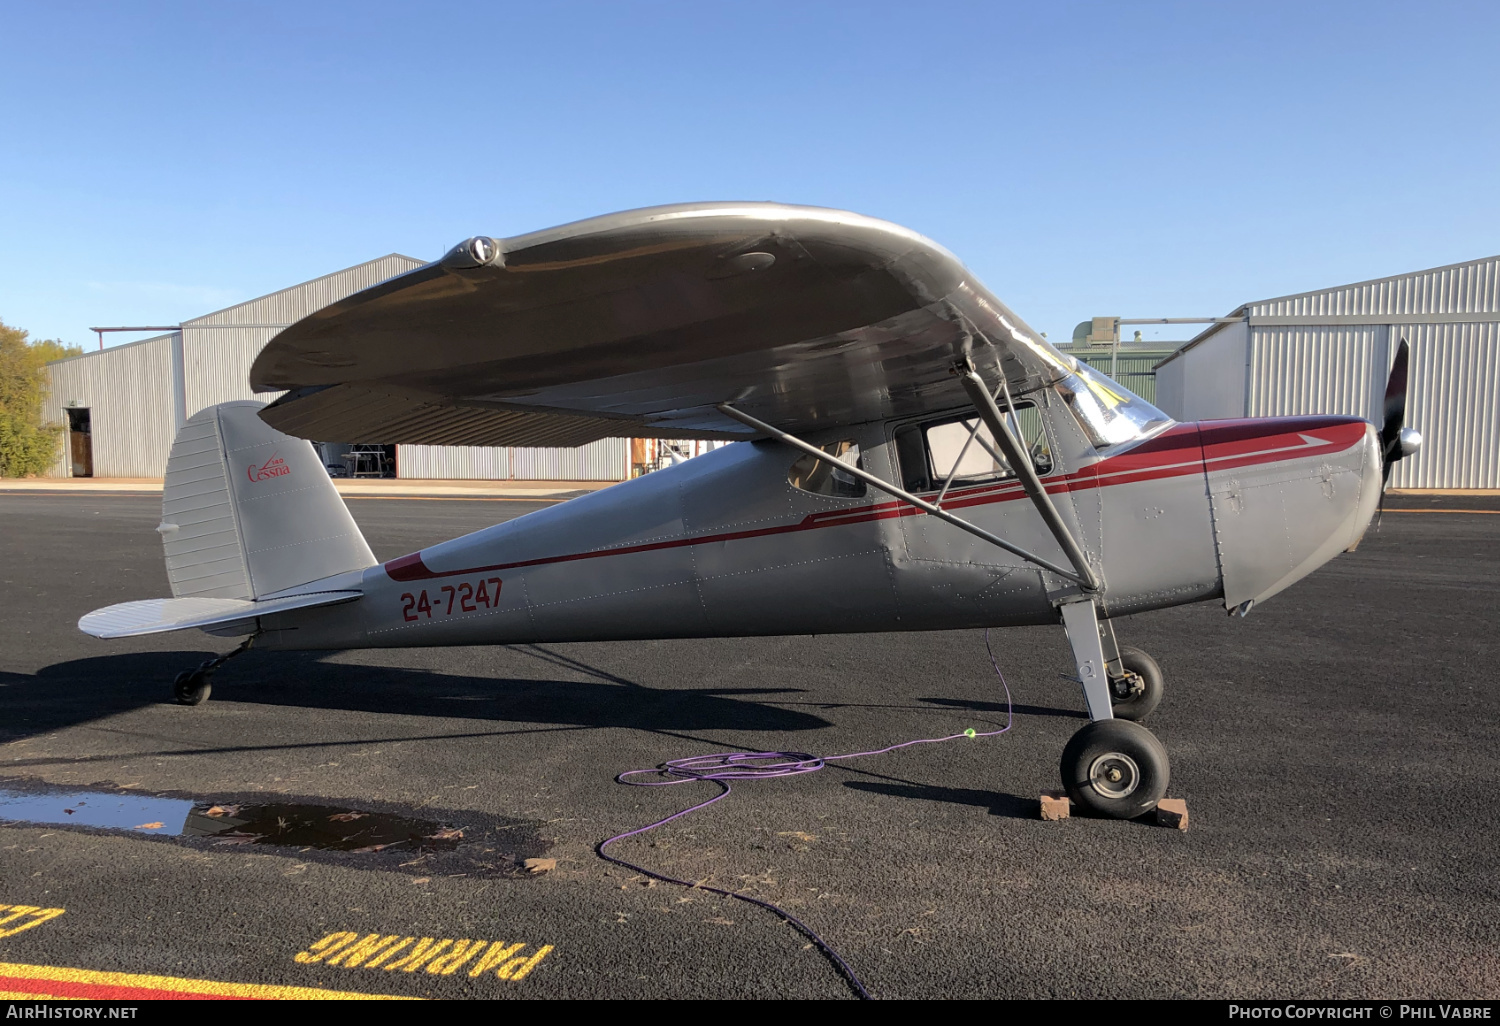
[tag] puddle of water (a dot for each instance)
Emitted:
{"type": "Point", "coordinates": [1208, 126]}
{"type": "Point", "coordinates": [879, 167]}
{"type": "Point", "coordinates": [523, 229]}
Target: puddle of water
{"type": "Point", "coordinates": [98, 809]}
{"type": "Point", "coordinates": [491, 846]}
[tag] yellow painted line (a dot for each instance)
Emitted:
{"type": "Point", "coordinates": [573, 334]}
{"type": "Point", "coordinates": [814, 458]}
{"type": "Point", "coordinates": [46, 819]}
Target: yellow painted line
{"type": "Point", "coordinates": [1490, 512]}
{"type": "Point", "coordinates": [15, 918]}
{"type": "Point", "coordinates": [47, 981]}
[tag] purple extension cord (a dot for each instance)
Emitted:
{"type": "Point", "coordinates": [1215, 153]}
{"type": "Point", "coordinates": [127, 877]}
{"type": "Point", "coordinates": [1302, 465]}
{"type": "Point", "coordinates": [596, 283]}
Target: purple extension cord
{"type": "Point", "coordinates": [723, 767]}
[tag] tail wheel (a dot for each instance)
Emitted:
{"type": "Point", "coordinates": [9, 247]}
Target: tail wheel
{"type": "Point", "coordinates": [191, 688]}
{"type": "Point", "coordinates": [1136, 692]}
{"type": "Point", "coordinates": [1115, 768]}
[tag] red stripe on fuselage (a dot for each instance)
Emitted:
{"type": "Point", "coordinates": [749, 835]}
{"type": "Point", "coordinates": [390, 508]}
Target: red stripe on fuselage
{"type": "Point", "coordinates": [1181, 450]}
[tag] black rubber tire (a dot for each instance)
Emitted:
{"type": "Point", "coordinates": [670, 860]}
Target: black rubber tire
{"type": "Point", "coordinates": [1107, 746]}
{"type": "Point", "coordinates": [190, 688]}
{"type": "Point", "coordinates": [1142, 705]}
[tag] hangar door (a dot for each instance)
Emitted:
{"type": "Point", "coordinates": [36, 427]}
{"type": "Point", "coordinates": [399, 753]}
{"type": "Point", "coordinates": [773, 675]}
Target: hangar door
{"type": "Point", "coordinates": [80, 443]}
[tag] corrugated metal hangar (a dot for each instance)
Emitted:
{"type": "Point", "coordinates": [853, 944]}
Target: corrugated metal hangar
{"type": "Point", "coordinates": [123, 405]}
{"type": "Point", "coordinates": [1329, 351]}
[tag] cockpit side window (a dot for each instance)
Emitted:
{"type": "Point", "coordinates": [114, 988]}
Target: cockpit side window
{"type": "Point", "coordinates": [820, 477]}
{"type": "Point", "coordinates": [961, 450]}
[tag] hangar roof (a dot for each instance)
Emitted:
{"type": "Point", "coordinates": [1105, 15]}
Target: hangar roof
{"type": "Point", "coordinates": [282, 307]}
{"type": "Point", "coordinates": [290, 304]}
{"type": "Point", "coordinates": [1468, 291]}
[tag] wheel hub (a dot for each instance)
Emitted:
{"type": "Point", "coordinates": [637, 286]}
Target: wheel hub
{"type": "Point", "coordinates": [1114, 775]}
{"type": "Point", "coordinates": [1128, 685]}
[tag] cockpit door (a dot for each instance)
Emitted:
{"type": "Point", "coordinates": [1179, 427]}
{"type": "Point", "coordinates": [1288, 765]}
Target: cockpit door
{"type": "Point", "coordinates": [953, 577]}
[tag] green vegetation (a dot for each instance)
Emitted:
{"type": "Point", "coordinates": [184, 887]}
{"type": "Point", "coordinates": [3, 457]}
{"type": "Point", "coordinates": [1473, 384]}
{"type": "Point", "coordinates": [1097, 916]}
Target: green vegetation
{"type": "Point", "coordinates": [28, 444]}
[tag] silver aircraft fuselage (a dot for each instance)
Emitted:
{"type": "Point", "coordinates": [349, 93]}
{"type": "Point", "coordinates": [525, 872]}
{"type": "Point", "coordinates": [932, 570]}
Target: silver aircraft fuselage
{"type": "Point", "coordinates": [724, 545]}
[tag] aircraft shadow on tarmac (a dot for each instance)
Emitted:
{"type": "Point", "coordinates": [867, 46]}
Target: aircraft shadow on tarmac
{"type": "Point", "coordinates": [998, 802]}
{"type": "Point", "coordinates": [83, 690]}
{"type": "Point", "coordinates": [1000, 707]}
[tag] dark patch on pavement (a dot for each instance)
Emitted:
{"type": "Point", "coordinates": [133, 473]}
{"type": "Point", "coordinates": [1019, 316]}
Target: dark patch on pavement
{"type": "Point", "coordinates": [369, 836]}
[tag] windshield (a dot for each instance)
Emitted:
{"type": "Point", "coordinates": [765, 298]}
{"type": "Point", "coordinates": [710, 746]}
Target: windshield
{"type": "Point", "coordinates": [1108, 413]}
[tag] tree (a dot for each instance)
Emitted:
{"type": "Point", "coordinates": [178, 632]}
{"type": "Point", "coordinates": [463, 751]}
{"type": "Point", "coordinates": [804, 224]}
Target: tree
{"type": "Point", "coordinates": [28, 444]}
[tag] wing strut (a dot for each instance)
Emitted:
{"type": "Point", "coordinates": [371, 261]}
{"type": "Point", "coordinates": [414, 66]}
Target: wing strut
{"type": "Point", "coordinates": [979, 394]}
{"type": "Point", "coordinates": [1086, 579]}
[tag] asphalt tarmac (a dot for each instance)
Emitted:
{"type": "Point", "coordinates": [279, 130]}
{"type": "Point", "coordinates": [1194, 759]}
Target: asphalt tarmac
{"type": "Point", "coordinates": [1337, 750]}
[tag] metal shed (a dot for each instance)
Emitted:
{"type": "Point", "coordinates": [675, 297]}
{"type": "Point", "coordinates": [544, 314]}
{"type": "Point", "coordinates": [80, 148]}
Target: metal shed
{"type": "Point", "coordinates": [1329, 351]}
{"type": "Point", "coordinates": [134, 397]}
{"type": "Point", "coordinates": [1133, 367]}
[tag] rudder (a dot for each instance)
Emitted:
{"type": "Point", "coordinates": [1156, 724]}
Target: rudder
{"type": "Point", "coordinates": [249, 512]}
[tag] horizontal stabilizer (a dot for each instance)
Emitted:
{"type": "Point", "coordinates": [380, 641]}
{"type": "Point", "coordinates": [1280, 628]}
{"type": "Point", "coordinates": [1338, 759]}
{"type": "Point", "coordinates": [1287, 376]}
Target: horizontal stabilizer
{"type": "Point", "coordinates": [157, 616]}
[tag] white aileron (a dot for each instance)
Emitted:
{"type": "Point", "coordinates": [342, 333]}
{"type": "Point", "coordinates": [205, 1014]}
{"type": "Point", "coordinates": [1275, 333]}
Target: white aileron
{"type": "Point", "coordinates": [157, 616]}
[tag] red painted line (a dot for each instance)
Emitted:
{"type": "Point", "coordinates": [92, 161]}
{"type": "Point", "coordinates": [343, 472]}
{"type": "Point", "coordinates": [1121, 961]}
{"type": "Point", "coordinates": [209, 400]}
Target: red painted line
{"type": "Point", "coordinates": [39, 982]}
{"type": "Point", "coordinates": [104, 991]}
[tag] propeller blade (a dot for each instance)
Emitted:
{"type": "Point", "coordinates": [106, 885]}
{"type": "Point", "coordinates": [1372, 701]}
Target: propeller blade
{"type": "Point", "coordinates": [1395, 411]}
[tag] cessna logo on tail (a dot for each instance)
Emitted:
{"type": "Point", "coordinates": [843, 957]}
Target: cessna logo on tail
{"type": "Point", "coordinates": [273, 467]}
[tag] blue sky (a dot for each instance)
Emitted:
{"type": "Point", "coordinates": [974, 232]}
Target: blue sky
{"type": "Point", "coordinates": [1138, 159]}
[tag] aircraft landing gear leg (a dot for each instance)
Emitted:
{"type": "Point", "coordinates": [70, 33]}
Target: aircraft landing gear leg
{"type": "Point", "coordinates": [192, 687]}
{"type": "Point", "coordinates": [1112, 767]}
{"type": "Point", "coordinates": [1135, 681]}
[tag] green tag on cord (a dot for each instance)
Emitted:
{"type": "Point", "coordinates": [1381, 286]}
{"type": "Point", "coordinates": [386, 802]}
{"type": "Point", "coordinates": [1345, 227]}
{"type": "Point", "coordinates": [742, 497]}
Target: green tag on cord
{"type": "Point", "coordinates": [969, 732]}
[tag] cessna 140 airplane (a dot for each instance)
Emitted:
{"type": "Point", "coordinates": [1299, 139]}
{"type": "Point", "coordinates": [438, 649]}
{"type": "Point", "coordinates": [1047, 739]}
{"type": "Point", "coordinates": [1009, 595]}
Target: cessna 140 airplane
{"type": "Point", "coordinates": [913, 457]}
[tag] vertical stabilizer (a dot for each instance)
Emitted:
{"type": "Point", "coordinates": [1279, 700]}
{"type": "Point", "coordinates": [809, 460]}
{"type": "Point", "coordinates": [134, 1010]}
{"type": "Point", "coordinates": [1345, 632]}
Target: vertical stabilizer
{"type": "Point", "coordinates": [248, 511]}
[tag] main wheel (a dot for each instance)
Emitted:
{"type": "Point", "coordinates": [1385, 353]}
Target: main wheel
{"type": "Point", "coordinates": [1138, 691]}
{"type": "Point", "coordinates": [191, 688]}
{"type": "Point", "coordinates": [1115, 768]}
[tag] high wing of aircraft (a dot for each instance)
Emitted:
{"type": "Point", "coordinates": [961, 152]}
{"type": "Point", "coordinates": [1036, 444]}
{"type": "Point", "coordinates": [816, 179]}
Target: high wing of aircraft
{"type": "Point", "coordinates": [640, 324]}
{"type": "Point", "coordinates": [913, 457]}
